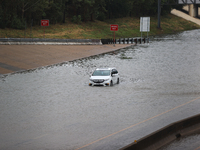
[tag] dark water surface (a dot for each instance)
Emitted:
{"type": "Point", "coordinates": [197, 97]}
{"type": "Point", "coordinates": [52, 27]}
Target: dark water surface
{"type": "Point", "coordinates": [54, 108]}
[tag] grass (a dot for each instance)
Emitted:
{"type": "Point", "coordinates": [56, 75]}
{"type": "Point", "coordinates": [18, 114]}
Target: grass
{"type": "Point", "coordinates": [128, 27]}
{"type": "Point", "coordinates": [123, 56]}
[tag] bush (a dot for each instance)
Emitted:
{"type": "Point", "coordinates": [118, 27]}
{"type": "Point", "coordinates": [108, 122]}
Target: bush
{"type": "Point", "coordinates": [101, 16]}
{"type": "Point", "coordinates": [79, 19]}
{"type": "Point", "coordinates": [17, 23]}
{"type": "Point", "coordinates": [3, 23]}
{"type": "Point", "coordinates": [76, 19]}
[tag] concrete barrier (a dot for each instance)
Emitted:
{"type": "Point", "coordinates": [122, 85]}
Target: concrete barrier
{"type": "Point", "coordinates": [40, 41]}
{"type": "Point", "coordinates": [167, 134]}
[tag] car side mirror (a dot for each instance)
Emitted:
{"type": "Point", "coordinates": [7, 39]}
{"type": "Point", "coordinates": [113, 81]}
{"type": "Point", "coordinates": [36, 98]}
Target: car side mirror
{"type": "Point", "coordinates": [113, 74]}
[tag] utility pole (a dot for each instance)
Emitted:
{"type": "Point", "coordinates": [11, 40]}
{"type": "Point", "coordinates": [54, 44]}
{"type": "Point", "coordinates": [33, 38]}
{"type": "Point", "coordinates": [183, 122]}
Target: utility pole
{"type": "Point", "coordinates": [159, 10]}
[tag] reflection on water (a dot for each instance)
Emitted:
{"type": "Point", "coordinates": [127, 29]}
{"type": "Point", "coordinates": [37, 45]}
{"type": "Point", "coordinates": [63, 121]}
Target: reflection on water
{"type": "Point", "coordinates": [57, 99]}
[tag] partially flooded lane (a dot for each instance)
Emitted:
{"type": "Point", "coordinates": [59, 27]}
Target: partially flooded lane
{"type": "Point", "coordinates": [54, 108]}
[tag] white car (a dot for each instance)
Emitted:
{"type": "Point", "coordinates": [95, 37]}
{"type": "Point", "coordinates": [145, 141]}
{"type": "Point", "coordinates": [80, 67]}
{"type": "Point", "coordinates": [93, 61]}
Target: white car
{"type": "Point", "coordinates": [104, 76]}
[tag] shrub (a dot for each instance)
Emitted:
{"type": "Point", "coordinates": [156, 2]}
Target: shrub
{"type": "Point", "coordinates": [17, 23]}
{"type": "Point", "coordinates": [76, 19]}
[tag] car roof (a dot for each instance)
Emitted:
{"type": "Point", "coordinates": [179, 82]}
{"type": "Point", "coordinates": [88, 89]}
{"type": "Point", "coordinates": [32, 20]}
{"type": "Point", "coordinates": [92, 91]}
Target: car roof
{"type": "Point", "coordinates": [105, 68]}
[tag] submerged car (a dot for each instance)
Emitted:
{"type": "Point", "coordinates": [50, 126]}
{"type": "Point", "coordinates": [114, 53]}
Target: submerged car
{"type": "Point", "coordinates": [104, 77]}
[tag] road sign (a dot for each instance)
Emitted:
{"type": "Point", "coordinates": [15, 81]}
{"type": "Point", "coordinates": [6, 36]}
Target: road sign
{"type": "Point", "coordinates": [144, 24]}
{"type": "Point", "coordinates": [45, 22]}
{"type": "Point", "coordinates": [114, 27]}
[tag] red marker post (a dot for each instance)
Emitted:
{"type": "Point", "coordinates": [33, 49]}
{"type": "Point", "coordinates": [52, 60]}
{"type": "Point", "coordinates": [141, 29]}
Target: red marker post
{"type": "Point", "coordinates": [114, 27]}
{"type": "Point", "coordinates": [44, 23]}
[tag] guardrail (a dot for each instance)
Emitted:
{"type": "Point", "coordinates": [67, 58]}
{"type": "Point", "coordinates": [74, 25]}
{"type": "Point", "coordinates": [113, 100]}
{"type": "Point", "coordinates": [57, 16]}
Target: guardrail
{"type": "Point", "coordinates": [167, 134]}
{"type": "Point", "coordinates": [125, 41]}
{"type": "Point", "coordinates": [21, 41]}
{"type": "Point", "coordinates": [40, 41]}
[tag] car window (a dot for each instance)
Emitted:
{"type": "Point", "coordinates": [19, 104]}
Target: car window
{"type": "Point", "coordinates": [101, 73]}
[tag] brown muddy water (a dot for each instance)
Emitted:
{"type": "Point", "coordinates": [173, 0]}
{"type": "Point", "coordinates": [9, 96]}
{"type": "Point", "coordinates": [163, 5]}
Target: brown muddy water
{"type": "Point", "coordinates": [53, 107]}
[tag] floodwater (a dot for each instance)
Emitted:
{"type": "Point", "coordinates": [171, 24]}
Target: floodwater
{"type": "Point", "coordinates": [186, 143]}
{"type": "Point", "coordinates": [54, 108]}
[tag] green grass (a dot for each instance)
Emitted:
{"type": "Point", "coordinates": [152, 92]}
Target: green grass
{"type": "Point", "coordinates": [128, 27]}
{"type": "Point", "coordinates": [123, 56]}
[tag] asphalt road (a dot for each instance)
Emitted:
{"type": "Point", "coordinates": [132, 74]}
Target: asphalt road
{"type": "Point", "coordinates": [22, 57]}
{"type": "Point", "coordinates": [54, 108]}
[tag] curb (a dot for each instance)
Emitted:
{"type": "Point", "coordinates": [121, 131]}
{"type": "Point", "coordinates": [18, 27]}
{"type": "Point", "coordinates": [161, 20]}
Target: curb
{"type": "Point", "coordinates": [167, 134]}
{"type": "Point", "coordinates": [38, 41]}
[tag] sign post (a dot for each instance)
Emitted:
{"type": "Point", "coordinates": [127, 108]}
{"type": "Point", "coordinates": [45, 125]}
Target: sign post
{"type": "Point", "coordinates": [44, 23]}
{"type": "Point", "coordinates": [114, 27]}
{"type": "Point", "coordinates": [144, 25]}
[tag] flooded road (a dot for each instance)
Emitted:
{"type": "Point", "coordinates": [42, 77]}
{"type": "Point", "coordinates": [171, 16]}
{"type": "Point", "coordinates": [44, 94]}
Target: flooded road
{"type": "Point", "coordinates": [186, 143]}
{"type": "Point", "coordinates": [54, 108]}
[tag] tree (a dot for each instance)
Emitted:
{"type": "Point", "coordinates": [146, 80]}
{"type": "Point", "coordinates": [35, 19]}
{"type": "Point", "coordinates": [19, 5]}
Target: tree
{"type": "Point", "coordinates": [14, 13]}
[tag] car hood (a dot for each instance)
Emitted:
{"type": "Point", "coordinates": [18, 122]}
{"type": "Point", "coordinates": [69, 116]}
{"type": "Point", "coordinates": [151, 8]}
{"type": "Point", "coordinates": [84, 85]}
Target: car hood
{"type": "Point", "coordinates": [99, 77]}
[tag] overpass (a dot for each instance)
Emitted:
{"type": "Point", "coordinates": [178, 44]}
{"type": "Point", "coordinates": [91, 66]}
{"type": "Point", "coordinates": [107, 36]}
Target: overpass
{"type": "Point", "coordinates": [193, 10]}
{"type": "Point", "coordinates": [191, 6]}
{"type": "Point", "coordinates": [185, 16]}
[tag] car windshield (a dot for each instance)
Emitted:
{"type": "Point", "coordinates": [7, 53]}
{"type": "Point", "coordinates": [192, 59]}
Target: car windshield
{"type": "Point", "coordinates": [101, 73]}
